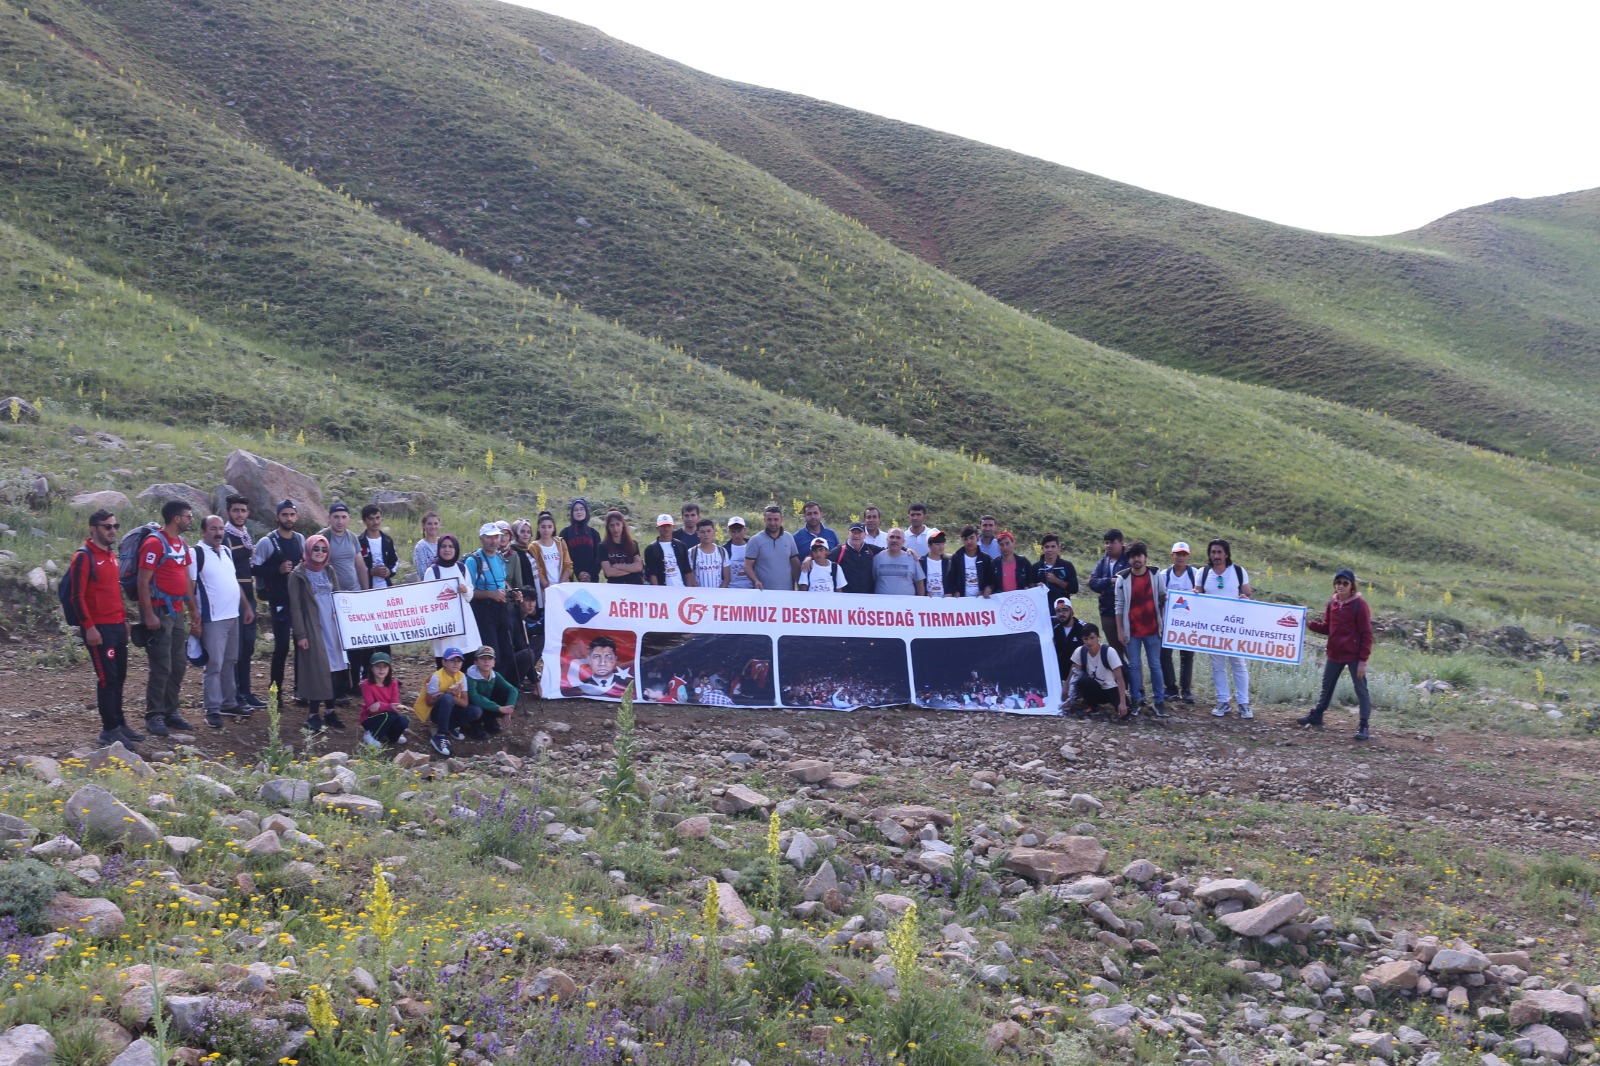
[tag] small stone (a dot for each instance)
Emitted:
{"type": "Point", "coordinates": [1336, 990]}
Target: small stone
{"type": "Point", "coordinates": [1075, 855]}
{"type": "Point", "coordinates": [1548, 1042]}
{"type": "Point", "coordinates": [1398, 976]}
{"type": "Point", "coordinates": [1083, 803]}
{"type": "Point", "coordinates": [738, 798]}
{"type": "Point", "coordinates": [1141, 871]}
{"type": "Point", "coordinates": [27, 1045]}
{"type": "Point", "coordinates": [285, 792]}
{"type": "Point", "coordinates": [1212, 892]}
{"type": "Point", "coordinates": [99, 918]}
{"type": "Point", "coordinates": [60, 847]}
{"type": "Point", "coordinates": [1259, 921]}
{"type": "Point", "coordinates": [732, 909]}
{"type": "Point", "coordinates": [808, 771]}
{"type": "Point", "coordinates": [181, 846]}
{"type": "Point", "coordinates": [1114, 1017]}
{"type": "Point", "coordinates": [360, 807]}
{"type": "Point", "coordinates": [1558, 1008]}
{"type": "Point", "coordinates": [551, 984]}
{"type": "Point", "coordinates": [802, 849]}
{"type": "Point", "coordinates": [820, 884]}
{"type": "Point", "coordinates": [1002, 1035]}
{"type": "Point", "coordinates": [410, 760]}
{"type": "Point", "coordinates": [268, 843]}
{"type": "Point", "coordinates": [138, 1053]}
{"type": "Point", "coordinates": [696, 828]}
{"type": "Point", "coordinates": [1379, 1044]}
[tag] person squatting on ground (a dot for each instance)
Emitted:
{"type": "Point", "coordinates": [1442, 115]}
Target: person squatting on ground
{"type": "Point", "coordinates": [1347, 623]}
{"type": "Point", "coordinates": [444, 703]}
{"type": "Point", "coordinates": [383, 721]}
{"type": "Point", "coordinates": [491, 694]}
{"type": "Point", "coordinates": [1097, 676]}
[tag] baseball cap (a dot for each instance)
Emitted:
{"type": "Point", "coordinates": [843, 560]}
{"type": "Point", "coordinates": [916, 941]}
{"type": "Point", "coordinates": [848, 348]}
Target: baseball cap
{"type": "Point", "coordinates": [379, 657]}
{"type": "Point", "coordinates": [1181, 546]}
{"type": "Point", "coordinates": [820, 543]}
{"type": "Point", "coordinates": [736, 521]}
{"type": "Point", "coordinates": [286, 505]}
{"type": "Point", "coordinates": [663, 520]}
{"type": "Point", "coordinates": [488, 529]}
{"type": "Point", "coordinates": [485, 650]}
{"type": "Point", "coordinates": [196, 651]}
{"type": "Point", "coordinates": [936, 537]}
{"type": "Point", "coordinates": [858, 525]}
{"type": "Point", "coordinates": [339, 506]}
{"type": "Point", "coordinates": [453, 653]}
{"type": "Point", "coordinates": [503, 526]}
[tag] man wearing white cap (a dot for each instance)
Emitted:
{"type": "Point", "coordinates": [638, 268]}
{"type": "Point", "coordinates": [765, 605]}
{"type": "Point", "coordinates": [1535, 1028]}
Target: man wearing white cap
{"type": "Point", "coordinates": [491, 596]}
{"type": "Point", "coordinates": [666, 563]}
{"type": "Point", "coordinates": [737, 578]}
{"type": "Point", "coordinates": [1180, 577]}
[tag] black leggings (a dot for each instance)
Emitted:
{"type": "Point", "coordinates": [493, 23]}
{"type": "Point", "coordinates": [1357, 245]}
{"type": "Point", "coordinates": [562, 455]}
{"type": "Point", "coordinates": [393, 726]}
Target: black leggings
{"type": "Point", "coordinates": [282, 641]}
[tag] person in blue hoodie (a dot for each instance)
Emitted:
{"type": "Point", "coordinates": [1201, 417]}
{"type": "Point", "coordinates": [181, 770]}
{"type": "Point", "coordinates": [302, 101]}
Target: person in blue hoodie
{"type": "Point", "coordinates": [1112, 565]}
{"type": "Point", "coordinates": [583, 542]}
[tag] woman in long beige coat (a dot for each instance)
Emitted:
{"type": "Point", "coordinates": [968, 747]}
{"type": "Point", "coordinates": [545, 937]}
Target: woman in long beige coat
{"type": "Point", "coordinates": [318, 649]}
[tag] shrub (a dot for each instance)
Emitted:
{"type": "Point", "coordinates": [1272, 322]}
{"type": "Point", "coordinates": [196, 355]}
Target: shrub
{"type": "Point", "coordinates": [230, 1027]}
{"type": "Point", "coordinates": [26, 888]}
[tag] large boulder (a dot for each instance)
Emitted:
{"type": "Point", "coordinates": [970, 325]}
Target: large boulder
{"type": "Point", "coordinates": [104, 816]}
{"type": "Point", "coordinates": [16, 409]}
{"type": "Point", "coordinates": [157, 495]}
{"type": "Point", "coordinates": [107, 499]}
{"type": "Point", "coordinates": [1070, 857]}
{"type": "Point", "coordinates": [398, 504]}
{"type": "Point", "coordinates": [266, 482]}
{"type": "Point", "coordinates": [16, 834]}
{"type": "Point", "coordinates": [99, 918]}
{"type": "Point", "coordinates": [27, 1045]}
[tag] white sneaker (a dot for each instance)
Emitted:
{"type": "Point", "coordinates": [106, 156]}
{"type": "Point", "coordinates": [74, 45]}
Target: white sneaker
{"type": "Point", "coordinates": [370, 741]}
{"type": "Point", "coordinates": [401, 739]}
{"type": "Point", "coordinates": [1245, 711]}
{"type": "Point", "coordinates": [1220, 711]}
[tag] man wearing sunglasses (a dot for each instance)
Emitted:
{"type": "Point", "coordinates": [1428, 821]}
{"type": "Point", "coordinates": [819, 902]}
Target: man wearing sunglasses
{"type": "Point", "coordinates": [97, 599]}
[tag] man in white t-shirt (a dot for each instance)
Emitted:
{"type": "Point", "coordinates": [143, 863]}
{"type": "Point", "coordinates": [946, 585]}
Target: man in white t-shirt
{"type": "Point", "coordinates": [917, 530]}
{"type": "Point", "coordinates": [666, 562]}
{"type": "Point", "coordinates": [737, 578]}
{"type": "Point", "coordinates": [1223, 577]}
{"type": "Point", "coordinates": [1097, 676]}
{"type": "Point", "coordinates": [872, 518]}
{"type": "Point", "coordinates": [707, 557]}
{"type": "Point", "coordinates": [222, 607]}
{"type": "Point", "coordinates": [1180, 577]}
{"type": "Point", "coordinates": [933, 566]}
{"type": "Point", "coordinates": [819, 573]}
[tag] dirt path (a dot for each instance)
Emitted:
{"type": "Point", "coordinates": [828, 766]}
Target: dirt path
{"type": "Point", "coordinates": [1517, 792]}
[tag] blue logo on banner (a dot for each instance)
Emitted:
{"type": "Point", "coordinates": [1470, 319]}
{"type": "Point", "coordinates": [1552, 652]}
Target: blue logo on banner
{"type": "Point", "coordinates": [581, 607]}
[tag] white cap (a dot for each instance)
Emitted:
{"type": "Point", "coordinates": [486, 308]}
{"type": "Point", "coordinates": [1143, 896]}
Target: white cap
{"type": "Point", "coordinates": [488, 529]}
{"type": "Point", "coordinates": [663, 520]}
{"type": "Point", "coordinates": [735, 520]}
{"type": "Point", "coordinates": [1181, 546]}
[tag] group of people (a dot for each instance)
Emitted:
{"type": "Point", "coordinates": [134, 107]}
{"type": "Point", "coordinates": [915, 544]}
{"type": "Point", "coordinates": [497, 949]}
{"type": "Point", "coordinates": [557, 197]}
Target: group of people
{"type": "Point", "coordinates": [210, 592]}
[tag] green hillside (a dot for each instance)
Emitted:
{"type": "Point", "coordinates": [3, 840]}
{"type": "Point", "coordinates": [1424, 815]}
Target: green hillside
{"type": "Point", "coordinates": [1484, 327]}
{"type": "Point", "coordinates": [201, 227]}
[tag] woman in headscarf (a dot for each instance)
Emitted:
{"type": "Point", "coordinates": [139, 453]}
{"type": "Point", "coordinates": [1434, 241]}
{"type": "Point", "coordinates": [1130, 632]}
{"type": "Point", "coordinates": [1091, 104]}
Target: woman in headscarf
{"type": "Point", "coordinates": [447, 566]}
{"type": "Point", "coordinates": [318, 649]}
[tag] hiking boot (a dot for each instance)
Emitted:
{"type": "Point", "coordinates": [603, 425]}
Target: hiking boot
{"type": "Point", "coordinates": [1161, 711]}
{"type": "Point", "coordinates": [1220, 711]}
{"type": "Point", "coordinates": [252, 702]}
{"type": "Point", "coordinates": [334, 721]}
{"type": "Point", "coordinates": [313, 726]}
{"type": "Point", "coordinates": [1362, 734]}
{"type": "Point", "coordinates": [155, 725]}
{"type": "Point", "coordinates": [441, 744]}
{"type": "Point", "coordinates": [1245, 712]}
{"type": "Point", "coordinates": [179, 722]}
{"type": "Point", "coordinates": [1309, 721]}
{"type": "Point", "coordinates": [213, 720]}
{"type": "Point", "coordinates": [128, 734]}
{"type": "Point", "coordinates": [1188, 698]}
{"type": "Point", "coordinates": [108, 737]}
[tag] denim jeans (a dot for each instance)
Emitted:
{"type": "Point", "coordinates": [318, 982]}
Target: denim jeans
{"type": "Point", "coordinates": [1142, 651]}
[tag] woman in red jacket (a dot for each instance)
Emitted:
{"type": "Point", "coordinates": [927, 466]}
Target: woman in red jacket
{"type": "Point", "coordinates": [1348, 625]}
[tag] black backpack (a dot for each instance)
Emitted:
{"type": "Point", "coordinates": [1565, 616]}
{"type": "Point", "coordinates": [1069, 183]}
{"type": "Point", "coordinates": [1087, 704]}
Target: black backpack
{"type": "Point", "coordinates": [64, 590]}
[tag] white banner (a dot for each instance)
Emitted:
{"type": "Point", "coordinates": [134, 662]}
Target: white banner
{"type": "Point", "coordinates": [740, 647]}
{"type": "Point", "coordinates": [400, 614]}
{"type": "Point", "coordinates": [1248, 629]}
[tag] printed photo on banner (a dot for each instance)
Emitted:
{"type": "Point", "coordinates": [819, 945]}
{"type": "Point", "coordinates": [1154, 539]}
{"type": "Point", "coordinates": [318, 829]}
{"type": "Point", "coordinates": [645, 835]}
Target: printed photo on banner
{"type": "Point", "coordinates": [841, 673]}
{"type": "Point", "coordinates": [597, 662]}
{"type": "Point", "coordinates": [1004, 672]}
{"type": "Point", "coordinates": [713, 669]}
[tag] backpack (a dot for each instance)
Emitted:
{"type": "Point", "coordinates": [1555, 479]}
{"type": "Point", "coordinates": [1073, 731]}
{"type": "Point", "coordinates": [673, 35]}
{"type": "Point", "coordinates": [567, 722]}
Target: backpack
{"type": "Point", "coordinates": [128, 556]}
{"type": "Point", "coordinates": [1105, 660]}
{"type": "Point", "coordinates": [1238, 576]}
{"type": "Point", "coordinates": [64, 590]}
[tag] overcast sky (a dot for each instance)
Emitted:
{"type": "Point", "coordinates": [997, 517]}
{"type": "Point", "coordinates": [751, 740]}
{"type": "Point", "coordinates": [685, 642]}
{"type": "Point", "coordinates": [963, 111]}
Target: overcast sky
{"type": "Point", "coordinates": [1360, 118]}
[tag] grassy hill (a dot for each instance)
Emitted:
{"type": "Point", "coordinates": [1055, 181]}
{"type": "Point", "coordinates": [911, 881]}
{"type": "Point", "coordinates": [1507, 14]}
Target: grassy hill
{"type": "Point", "coordinates": [406, 233]}
{"type": "Point", "coordinates": [1484, 326]}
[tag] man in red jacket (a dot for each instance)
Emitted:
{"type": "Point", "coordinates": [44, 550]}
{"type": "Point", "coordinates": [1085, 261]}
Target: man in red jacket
{"type": "Point", "coordinates": [1347, 623]}
{"type": "Point", "coordinates": [97, 598]}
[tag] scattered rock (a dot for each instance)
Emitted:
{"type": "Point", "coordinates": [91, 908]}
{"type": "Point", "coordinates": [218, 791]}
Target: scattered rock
{"type": "Point", "coordinates": [106, 499]}
{"type": "Point", "coordinates": [91, 917]}
{"type": "Point", "coordinates": [1398, 976]}
{"type": "Point", "coordinates": [196, 498]}
{"type": "Point", "coordinates": [105, 817]}
{"type": "Point", "coordinates": [551, 984]}
{"type": "Point", "coordinates": [1212, 892]}
{"type": "Point", "coordinates": [737, 798]}
{"type": "Point", "coordinates": [808, 771]}
{"type": "Point", "coordinates": [362, 807]}
{"type": "Point", "coordinates": [1073, 856]}
{"type": "Point", "coordinates": [27, 1045]}
{"type": "Point", "coordinates": [1459, 960]}
{"type": "Point", "coordinates": [1259, 921]}
{"type": "Point", "coordinates": [119, 757]}
{"type": "Point", "coordinates": [17, 833]}
{"type": "Point", "coordinates": [61, 847]}
{"type": "Point", "coordinates": [268, 843]}
{"type": "Point", "coordinates": [139, 1053]}
{"type": "Point", "coordinates": [285, 792]}
{"type": "Point", "coordinates": [1558, 1008]}
{"type": "Point", "coordinates": [696, 828]}
{"type": "Point", "coordinates": [732, 908]}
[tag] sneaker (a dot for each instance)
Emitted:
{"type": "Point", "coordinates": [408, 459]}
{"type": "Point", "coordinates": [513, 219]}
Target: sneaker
{"type": "Point", "coordinates": [236, 712]}
{"type": "Point", "coordinates": [179, 722]}
{"type": "Point", "coordinates": [1161, 711]}
{"type": "Point", "coordinates": [252, 702]}
{"type": "Point", "coordinates": [128, 734]}
{"type": "Point", "coordinates": [313, 726]}
{"type": "Point", "coordinates": [1308, 721]}
{"type": "Point", "coordinates": [1220, 711]}
{"type": "Point", "coordinates": [156, 725]}
{"type": "Point", "coordinates": [369, 740]}
{"type": "Point", "coordinates": [1362, 734]}
{"type": "Point", "coordinates": [213, 720]}
{"type": "Point", "coordinates": [457, 734]}
{"type": "Point", "coordinates": [401, 739]}
{"type": "Point", "coordinates": [108, 737]}
{"type": "Point", "coordinates": [441, 744]}
{"type": "Point", "coordinates": [342, 701]}
{"type": "Point", "coordinates": [334, 721]}
{"type": "Point", "coordinates": [1245, 712]}
{"type": "Point", "coordinates": [1188, 698]}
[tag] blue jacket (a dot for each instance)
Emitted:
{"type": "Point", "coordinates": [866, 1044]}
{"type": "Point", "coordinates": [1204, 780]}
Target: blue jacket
{"type": "Point", "coordinates": [1104, 580]}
